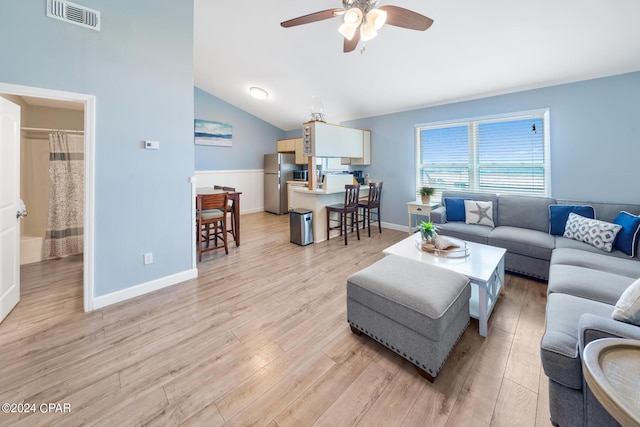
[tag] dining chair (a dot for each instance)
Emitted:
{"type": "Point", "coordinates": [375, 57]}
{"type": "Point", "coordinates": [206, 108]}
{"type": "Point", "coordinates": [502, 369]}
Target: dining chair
{"type": "Point", "coordinates": [211, 222]}
{"type": "Point", "coordinates": [369, 204]}
{"type": "Point", "coordinates": [350, 206]}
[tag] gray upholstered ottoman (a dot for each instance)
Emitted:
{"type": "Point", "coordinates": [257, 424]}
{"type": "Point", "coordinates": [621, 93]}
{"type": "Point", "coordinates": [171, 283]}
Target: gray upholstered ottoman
{"type": "Point", "coordinates": [415, 309]}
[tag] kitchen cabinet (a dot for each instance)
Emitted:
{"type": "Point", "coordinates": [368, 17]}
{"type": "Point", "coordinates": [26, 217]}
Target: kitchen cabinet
{"type": "Point", "coordinates": [286, 145]}
{"type": "Point", "coordinates": [293, 145]}
{"type": "Point", "coordinates": [290, 186]}
{"type": "Point", "coordinates": [301, 158]}
{"type": "Point", "coordinates": [327, 140]}
{"type": "Point", "coordinates": [366, 152]}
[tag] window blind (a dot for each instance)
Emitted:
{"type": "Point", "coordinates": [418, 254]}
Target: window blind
{"type": "Point", "coordinates": [507, 154]}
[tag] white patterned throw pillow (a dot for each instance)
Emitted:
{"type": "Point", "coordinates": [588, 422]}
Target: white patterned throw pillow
{"type": "Point", "coordinates": [480, 213]}
{"type": "Point", "coordinates": [628, 306]}
{"type": "Point", "coordinates": [600, 234]}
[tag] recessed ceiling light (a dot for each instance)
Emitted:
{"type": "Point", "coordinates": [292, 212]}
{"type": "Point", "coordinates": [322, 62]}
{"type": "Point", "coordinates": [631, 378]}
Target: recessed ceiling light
{"type": "Point", "coordinates": [258, 92]}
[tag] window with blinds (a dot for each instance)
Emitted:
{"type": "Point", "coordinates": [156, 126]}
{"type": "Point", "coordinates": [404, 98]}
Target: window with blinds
{"type": "Point", "coordinates": [506, 154]}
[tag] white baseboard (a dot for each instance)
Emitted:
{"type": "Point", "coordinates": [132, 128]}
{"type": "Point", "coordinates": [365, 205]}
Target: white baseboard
{"type": "Point", "coordinates": [249, 211]}
{"type": "Point", "coordinates": [396, 227]}
{"type": "Point", "coordinates": [143, 288]}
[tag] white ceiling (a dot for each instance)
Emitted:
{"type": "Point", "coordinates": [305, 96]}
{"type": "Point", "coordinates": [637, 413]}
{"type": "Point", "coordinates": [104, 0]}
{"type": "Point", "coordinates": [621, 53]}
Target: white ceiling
{"type": "Point", "coordinates": [474, 49]}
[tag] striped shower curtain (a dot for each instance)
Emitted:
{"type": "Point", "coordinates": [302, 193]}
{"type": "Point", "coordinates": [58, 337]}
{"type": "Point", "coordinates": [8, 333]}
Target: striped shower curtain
{"type": "Point", "coordinates": [66, 198]}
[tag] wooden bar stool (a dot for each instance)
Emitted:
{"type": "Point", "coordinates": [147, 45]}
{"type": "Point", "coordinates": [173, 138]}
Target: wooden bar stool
{"type": "Point", "coordinates": [211, 222]}
{"type": "Point", "coordinates": [370, 203]}
{"type": "Point", "coordinates": [231, 210]}
{"type": "Point", "coordinates": [350, 206]}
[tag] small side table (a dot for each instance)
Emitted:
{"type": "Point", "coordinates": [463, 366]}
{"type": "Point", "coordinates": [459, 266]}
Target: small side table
{"type": "Point", "coordinates": [611, 367]}
{"type": "Point", "coordinates": [418, 208]}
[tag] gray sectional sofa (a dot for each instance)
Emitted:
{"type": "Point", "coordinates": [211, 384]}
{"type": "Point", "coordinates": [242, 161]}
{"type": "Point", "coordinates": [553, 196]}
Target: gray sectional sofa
{"type": "Point", "coordinates": [584, 284]}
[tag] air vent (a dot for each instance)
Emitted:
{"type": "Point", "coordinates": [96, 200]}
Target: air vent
{"type": "Point", "coordinates": [73, 13]}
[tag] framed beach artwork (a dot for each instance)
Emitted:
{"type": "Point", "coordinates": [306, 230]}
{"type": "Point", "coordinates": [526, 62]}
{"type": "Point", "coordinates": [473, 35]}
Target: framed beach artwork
{"type": "Point", "coordinates": [213, 133]}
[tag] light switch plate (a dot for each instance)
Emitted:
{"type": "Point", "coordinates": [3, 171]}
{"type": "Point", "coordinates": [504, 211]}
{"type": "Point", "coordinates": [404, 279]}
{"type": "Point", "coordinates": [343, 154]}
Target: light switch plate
{"type": "Point", "coordinates": [148, 258]}
{"type": "Point", "coordinates": [152, 145]}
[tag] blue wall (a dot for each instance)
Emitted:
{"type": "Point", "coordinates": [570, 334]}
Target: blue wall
{"type": "Point", "coordinates": [595, 140]}
{"type": "Point", "coordinates": [140, 68]}
{"type": "Point", "coordinates": [252, 137]}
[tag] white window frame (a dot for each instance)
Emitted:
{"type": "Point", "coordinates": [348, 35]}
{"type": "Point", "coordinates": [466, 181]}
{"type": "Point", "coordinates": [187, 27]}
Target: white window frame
{"type": "Point", "coordinates": [473, 164]}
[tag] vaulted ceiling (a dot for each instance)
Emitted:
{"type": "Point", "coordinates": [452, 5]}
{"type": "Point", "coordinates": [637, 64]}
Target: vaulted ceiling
{"type": "Point", "coordinates": [474, 49]}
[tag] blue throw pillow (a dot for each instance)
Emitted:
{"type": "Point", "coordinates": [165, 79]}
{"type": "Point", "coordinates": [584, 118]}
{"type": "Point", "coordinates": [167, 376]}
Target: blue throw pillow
{"type": "Point", "coordinates": [455, 208]}
{"type": "Point", "coordinates": [627, 239]}
{"type": "Point", "coordinates": [558, 215]}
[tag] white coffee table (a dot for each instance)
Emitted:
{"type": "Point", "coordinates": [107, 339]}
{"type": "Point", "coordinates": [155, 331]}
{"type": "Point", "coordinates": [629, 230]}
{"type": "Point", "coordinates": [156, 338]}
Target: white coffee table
{"type": "Point", "coordinates": [484, 266]}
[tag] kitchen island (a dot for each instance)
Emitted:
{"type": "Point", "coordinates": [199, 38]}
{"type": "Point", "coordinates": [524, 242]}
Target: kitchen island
{"type": "Point", "coordinates": [316, 201]}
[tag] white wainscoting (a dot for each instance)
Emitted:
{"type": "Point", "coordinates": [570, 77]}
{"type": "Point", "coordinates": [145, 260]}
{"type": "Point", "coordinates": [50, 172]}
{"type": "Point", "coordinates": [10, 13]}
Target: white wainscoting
{"type": "Point", "coordinates": [250, 182]}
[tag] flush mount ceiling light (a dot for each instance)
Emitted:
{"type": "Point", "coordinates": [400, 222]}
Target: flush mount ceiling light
{"type": "Point", "coordinates": [362, 20]}
{"type": "Point", "coordinates": [258, 92]}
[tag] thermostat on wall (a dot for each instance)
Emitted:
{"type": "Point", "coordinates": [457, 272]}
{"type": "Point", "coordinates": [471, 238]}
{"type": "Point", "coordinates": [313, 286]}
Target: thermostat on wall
{"type": "Point", "coordinates": [152, 145]}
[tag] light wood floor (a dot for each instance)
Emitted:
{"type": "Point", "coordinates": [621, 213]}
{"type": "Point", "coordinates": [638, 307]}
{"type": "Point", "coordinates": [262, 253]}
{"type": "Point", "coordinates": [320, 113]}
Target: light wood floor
{"type": "Point", "coordinates": [260, 338]}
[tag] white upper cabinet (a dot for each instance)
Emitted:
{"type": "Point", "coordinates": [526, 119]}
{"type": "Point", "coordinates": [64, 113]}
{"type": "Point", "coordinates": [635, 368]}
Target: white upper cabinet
{"type": "Point", "coordinates": [327, 140]}
{"type": "Point", "coordinates": [366, 152]}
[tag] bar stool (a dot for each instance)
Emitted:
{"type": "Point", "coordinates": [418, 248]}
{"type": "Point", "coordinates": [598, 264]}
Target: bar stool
{"type": "Point", "coordinates": [350, 206]}
{"type": "Point", "coordinates": [231, 210]}
{"type": "Point", "coordinates": [370, 203]}
{"type": "Point", "coordinates": [211, 222]}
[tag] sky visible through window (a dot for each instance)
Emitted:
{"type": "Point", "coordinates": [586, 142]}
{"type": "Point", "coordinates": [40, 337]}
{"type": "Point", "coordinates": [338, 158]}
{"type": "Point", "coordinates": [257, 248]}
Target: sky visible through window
{"type": "Point", "coordinates": [504, 155]}
{"type": "Point", "coordinates": [511, 141]}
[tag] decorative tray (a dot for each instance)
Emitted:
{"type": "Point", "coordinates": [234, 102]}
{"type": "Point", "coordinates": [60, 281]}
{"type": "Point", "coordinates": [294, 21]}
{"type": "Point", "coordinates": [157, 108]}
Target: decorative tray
{"type": "Point", "coordinates": [447, 247]}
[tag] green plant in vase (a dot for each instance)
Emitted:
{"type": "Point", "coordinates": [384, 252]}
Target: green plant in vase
{"type": "Point", "coordinates": [429, 231]}
{"type": "Point", "coordinates": [426, 193]}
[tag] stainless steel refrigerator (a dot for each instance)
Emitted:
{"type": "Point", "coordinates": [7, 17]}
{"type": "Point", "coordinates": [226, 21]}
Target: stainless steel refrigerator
{"type": "Point", "coordinates": [278, 169]}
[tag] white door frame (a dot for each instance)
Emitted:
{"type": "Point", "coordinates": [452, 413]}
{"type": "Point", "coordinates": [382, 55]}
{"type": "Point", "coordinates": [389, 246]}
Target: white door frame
{"type": "Point", "coordinates": [89, 170]}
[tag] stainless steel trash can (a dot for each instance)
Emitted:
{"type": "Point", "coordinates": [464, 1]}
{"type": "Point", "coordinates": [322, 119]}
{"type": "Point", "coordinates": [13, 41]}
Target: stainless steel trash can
{"type": "Point", "coordinates": [300, 229]}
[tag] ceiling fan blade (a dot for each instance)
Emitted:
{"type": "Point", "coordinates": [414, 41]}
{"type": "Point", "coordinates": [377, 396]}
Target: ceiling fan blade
{"type": "Point", "coordinates": [405, 18]}
{"type": "Point", "coordinates": [312, 17]}
{"type": "Point", "coordinates": [350, 45]}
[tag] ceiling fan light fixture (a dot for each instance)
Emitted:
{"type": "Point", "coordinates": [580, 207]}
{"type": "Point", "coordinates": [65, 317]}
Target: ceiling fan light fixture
{"type": "Point", "coordinates": [258, 92]}
{"type": "Point", "coordinates": [353, 17]}
{"type": "Point", "coordinates": [348, 31]}
{"type": "Point", "coordinates": [362, 20]}
{"type": "Point", "coordinates": [367, 31]}
{"type": "Point", "coordinates": [377, 17]}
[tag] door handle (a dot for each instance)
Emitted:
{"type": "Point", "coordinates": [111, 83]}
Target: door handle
{"type": "Point", "coordinates": [23, 210]}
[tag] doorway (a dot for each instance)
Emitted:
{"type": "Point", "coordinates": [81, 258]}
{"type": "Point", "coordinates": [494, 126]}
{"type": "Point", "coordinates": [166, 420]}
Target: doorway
{"type": "Point", "coordinates": [47, 98]}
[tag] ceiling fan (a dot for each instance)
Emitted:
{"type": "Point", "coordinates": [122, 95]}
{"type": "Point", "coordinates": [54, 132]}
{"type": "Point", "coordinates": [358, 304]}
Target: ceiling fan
{"type": "Point", "coordinates": [362, 20]}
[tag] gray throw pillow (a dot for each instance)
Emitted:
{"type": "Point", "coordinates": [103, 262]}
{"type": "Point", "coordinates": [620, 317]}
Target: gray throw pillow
{"type": "Point", "coordinates": [628, 306]}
